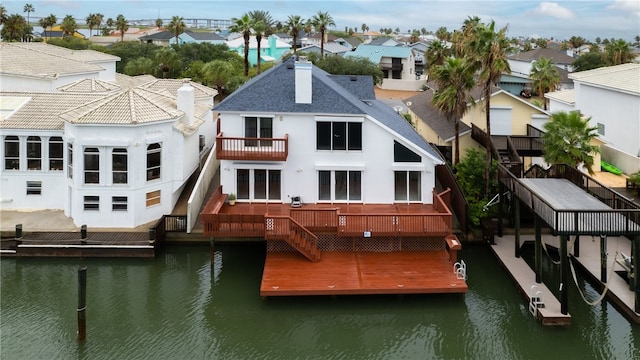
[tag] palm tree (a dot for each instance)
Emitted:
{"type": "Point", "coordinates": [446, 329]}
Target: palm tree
{"type": "Point", "coordinates": [321, 21]}
{"type": "Point", "coordinates": [122, 25]}
{"type": "Point", "coordinates": [91, 22]}
{"type": "Point", "coordinates": [14, 28]}
{"type": "Point", "coordinates": [168, 60]}
{"type": "Point", "coordinates": [262, 25]}
{"type": "Point", "coordinates": [3, 14]}
{"type": "Point", "coordinates": [28, 8]}
{"type": "Point", "coordinates": [489, 49]}
{"type": "Point", "coordinates": [48, 22]}
{"type": "Point", "coordinates": [218, 73]}
{"type": "Point", "coordinates": [99, 19]}
{"type": "Point", "coordinates": [243, 25]}
{"type": "Point", "coordinates": [618, 52]}
{"type": "Point", "coordinates": [177, 27]}
{"type": "Point", "coordinates": [567, 140]}
{"type": "Point", "coordinates": [295, 24]}
{"type": "Point", "coordinates": [69, 25]}
{"type": "Point", "coordinates": [140, 66]}
{"type": "Point", "coordinates": [545, 76]}
{"type": "Point", "coordinates": [436, 54]}
{"type": "Point", "coordinates": [455, 79]}
{"type": "Point", "coordinates": [158, 23]}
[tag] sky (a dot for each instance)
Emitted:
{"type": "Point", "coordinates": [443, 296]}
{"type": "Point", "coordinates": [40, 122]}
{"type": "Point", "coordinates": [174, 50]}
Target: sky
{"type": "Point", "coordinates": [549, 19]}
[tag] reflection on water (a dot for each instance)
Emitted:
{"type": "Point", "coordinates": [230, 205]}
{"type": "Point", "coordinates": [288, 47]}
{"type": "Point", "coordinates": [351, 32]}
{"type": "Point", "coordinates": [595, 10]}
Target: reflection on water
{"type": "Point", "coordinates": [177, 307]}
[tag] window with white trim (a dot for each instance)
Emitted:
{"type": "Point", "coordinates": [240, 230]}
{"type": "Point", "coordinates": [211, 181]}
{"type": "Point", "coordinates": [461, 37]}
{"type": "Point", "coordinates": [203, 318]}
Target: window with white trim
{"type": "Point", "coordinates": [340, 185]}
{"type": "Point", "coordinates": [91, 165]}
{"type": "Point", "coordinates": [338, 135]}
{"type": "Point", "coordinates": [119, 163]}
{"type": "Point", "coordinates": [70, 160]}
{"type": "Point", "coordinates": [258, 184]}
{"type": "Point", "coordinates": [119, 203]}
{"type": "Point", "coordinates": [34, 153]}
{"type": "Point", "coordinates": [154, 155]}
{"type": "Point", "coordinates": [11, 153]}
{"type": "Point", "coordinates": [34, 187]}
{"type": "Point", "coordinates": [408, 186]}
{"type": "Point", "coordinates": [56, 153]}
{"type": "Point", "coordinates": [258, 127]}
{"type": "Point", "coordinates": [92, 203]}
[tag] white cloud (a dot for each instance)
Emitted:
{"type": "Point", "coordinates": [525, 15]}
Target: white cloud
{"type": "Point", "coordinates": [626, 6]}
{"type": "Point", "coordinates": [553, 9]}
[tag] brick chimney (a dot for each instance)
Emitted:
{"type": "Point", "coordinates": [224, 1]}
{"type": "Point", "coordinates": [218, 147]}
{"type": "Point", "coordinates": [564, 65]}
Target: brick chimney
{"type": "Point", "coordinates": [303, 80]}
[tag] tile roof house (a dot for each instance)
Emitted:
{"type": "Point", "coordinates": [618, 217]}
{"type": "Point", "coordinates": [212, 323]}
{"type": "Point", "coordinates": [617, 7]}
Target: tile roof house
{"type": "Point", "coordinates": [330, 124]}
{"type": "Point", "coordinates": [610, 96]}
{"type": "Point", "coordinates": [398, 65]}
{"type": "Point", "coordinates": [113, 154]}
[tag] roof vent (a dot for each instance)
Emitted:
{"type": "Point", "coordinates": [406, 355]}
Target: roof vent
{"type": "Point", "coordinates": [353, 78]}
{"type": "Point", "coordinates": [290, 66]}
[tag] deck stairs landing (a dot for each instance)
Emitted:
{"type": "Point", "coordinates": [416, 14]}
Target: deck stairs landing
{"type": "Point", "coordinates": [296, 235]}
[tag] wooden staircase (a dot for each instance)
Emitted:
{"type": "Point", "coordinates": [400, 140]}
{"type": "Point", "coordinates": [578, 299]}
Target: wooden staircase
{"type": "Point", "coordinates": [282, 227]}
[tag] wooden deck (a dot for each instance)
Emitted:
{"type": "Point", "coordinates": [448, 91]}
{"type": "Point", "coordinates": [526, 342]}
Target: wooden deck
{"type": "Point", "coordinates": [358, 273]}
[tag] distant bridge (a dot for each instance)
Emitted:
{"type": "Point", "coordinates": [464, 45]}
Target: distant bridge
{"type": "Point", "coordinates": [221, 24]}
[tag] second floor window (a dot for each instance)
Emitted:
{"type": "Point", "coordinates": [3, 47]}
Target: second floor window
{"type": "Point", "coordinates": [34, 153]}
{"type": "Point", "coordinates": [258, 127]}
{"type": "Point", "coordinates": [91, 166]}
{"type": "Point", "coordinates": [70, 160]}
{"type": "Point", "coordinates": [154, 152]}
{"type": "Point", "coordinates": [119, 165]}
{"type": "Point", "coordinates": [338, 135]}
{"type": "Point", "coordinates": [12, 153]}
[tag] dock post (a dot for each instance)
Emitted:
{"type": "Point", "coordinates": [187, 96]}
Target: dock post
{"type": "Point", "coordinates": [635, 254]}
{"type": "Point", "coordinates": [564, 275]}
{"type": "Point", "coordinates": [19, 231]}
{"type": "Point", "coordinates": [538, 248]}
{"type": "Point", "coordinates": [82, 303]}
{"type": "Point", "coordinates": [576, 246]}
{"type": "Point", "coordinates": [603, 258]}
{"type": "Point", "coordinates": [83, 234]}
{"type": "Point", "coordinates": [500, 208]}
{"type": "Point", "coordinates": [516, 215]}
{"type": "Point", "coordinates": [211, 252]}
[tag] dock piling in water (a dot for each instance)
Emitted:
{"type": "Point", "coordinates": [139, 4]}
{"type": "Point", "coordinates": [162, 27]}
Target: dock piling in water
{"type": "Point", "coordinates": [82, 303]}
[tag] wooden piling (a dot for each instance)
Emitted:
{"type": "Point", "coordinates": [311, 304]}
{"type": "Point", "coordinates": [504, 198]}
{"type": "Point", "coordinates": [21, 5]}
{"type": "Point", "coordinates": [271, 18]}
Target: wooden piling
{"type": "Point", "coordinates": [82, 303]}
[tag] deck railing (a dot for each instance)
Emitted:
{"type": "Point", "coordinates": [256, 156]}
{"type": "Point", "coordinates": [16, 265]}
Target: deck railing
{"type": "Point", "coordinates": [458, 203]}
{"type": "Point", "coordinates": [318, 220]}
{"type": "Point", "coordinates": [246, 148]}
{"type": "Point", "coordinates": [282, 227]}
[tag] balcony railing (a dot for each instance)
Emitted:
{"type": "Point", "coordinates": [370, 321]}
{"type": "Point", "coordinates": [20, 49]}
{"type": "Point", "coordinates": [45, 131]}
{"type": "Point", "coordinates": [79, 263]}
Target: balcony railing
{"type": "Point", "coordinates": [244, 148]}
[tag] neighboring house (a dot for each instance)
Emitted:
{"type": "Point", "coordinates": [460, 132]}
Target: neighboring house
{"type": "Point", "coordinates": [107, 154]}
{"type": "Point", "coordinates": [271, 48]}
{"type": "Point", "coordinates": [161, 38]}
{"type": "Point", "coordinates": [610, 96]}
{"type": "Point", "coordinates": [384, 41]}
{"type": "Point", "coordinates": [510, 115]}
{"type": "Point", "coordinates": [198, 37]}
{"type": "Point", "coordinates": [329, 48]}
{"type": "Point", "coordinates": [338, 144]}
{"type": "Point", "coordinates": [350, 42]}
{"type": "Point", "coordinates": [397, 63]}
{"type": "Point", "coordinates": [521, 63]}
{"type": "Point", "coordinates": [56, 32]}
{"type": "Point", "coordinates": [42, 67]}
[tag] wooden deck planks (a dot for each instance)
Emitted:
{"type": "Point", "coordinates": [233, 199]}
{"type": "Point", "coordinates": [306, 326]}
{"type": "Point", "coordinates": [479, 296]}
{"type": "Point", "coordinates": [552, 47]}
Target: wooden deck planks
{"type": "Point", "coordinates": [359, 273]}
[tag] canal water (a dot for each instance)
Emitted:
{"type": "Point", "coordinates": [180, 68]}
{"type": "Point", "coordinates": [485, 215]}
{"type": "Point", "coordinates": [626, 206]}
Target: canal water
{"type": "Point", "coordinates": [177, 307]}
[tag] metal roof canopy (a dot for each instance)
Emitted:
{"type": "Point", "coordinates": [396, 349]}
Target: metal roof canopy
{"type": "Point", "coordinates": [569, 210]}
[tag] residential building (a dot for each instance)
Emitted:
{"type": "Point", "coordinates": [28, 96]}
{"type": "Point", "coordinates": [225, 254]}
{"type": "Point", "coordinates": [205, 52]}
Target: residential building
{"type": "Point", "coordinates": [199, 37]}
{"type": "Point", "coordinates": [107, 154]}
{"type": "Point", "coordinates": [398, 65]}
{"type": "Point", "coordinates": [610, 97]}
{"type": "Point", "coordinates": [331, 48]}
{"type": "Point", "coordinates": [271, 48]}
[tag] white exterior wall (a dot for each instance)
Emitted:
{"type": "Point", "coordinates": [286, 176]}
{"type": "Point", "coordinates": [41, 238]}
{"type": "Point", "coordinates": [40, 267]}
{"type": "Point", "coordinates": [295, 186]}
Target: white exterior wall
{"type": "Point", "coordinates": [557, 106]}
{"type": "Point", "coordinates": [22, 83]}
{"type": "Point", "coordinates": [618, 111]}
{"type": "Point", "coordinates": [13, 183]}
{"type": "Point", "coordinates": [299, 175]}
{"type": "Point", "coordinates": [109, 73]}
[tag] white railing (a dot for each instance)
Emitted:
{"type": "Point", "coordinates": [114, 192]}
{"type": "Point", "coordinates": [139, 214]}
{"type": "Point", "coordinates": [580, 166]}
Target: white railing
{"type": "Point", "coordinates": [196, 199]}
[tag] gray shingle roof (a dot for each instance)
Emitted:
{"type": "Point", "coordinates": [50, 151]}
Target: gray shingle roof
{"type": "Point", "coordinates": [421, 106]}
{"type": "Point", "coordinates": [273, 92]}
{"type": "Point", "coordinates": [557, 57]}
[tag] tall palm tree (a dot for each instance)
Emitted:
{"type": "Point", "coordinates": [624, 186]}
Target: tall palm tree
{"type": "Point", "coordinates": [69, 25]}
{"type": "Point", "coordinates": [243, 25]}
{"type": "Point", "coordinates": [28, 8]}
{"type": "Point", "coordinates": [91, 22]}
{"type": "Point", "coordinates": [455, 79]}
{"type": "Point", "coordinates": [262, 26]}
{"type": "Point", "coordinates": [295, 24]}
{"type": "Point", "coordinates": [122, 25]}
{"type": "Point", "coordinates": [545, 76]}
{"type": "Point", "coordinates": [99, 19]}
{"type": "Point", "coordinates": [436, 54]}
{"type": "Point", "coordinates": [14, 28]}
{"type": "Point", "coordinates": [321, 21]}
{"type": "Point", "coordinates": [168, 60]}
{"type": "Point", "coordinates": [218, 73]}
{"type": "Point", "coordinates": [3, 14]}
{"type": "Point", "coordinates": [489, 49]}
{"type": "Point", "coordinates": [159, 23]}
{"type": "Point", "coordinates": [177, 27]}
{"type": "Point", "coordinates": [567, 139]}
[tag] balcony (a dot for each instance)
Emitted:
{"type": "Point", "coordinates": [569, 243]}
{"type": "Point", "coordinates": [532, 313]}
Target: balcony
{"type": "Point", "coordinates": [257, 149]}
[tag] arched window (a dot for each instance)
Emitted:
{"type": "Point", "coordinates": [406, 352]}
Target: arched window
{"type": "Point", "coordinates": [154, 152]}
{"type": "Point", "coordinates": [34, 153]}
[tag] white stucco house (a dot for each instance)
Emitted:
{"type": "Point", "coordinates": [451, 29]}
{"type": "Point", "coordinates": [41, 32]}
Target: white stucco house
{"type": "Point", "coordinates": [299, 131]}
{"type": "Point", "coordinates": [610, 96]}
{"type": "Point", "coordinates": [109, 154]}
{"type": "Point", "coordinates": [398, 65]}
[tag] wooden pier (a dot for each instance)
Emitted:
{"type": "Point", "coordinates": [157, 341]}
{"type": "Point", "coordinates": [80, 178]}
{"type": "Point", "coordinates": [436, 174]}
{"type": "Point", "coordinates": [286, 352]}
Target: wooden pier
{"type": "Point", "coordinates": [357, 273]}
